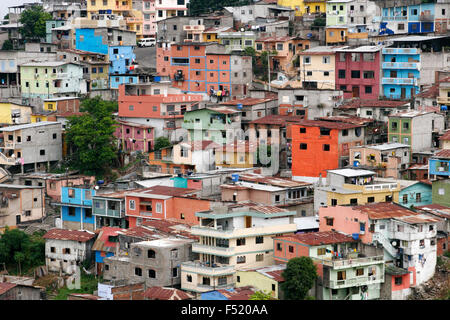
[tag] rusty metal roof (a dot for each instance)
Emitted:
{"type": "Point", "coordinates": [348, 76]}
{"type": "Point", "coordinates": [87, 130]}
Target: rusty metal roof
{"type": "Point", "coordinates": [318, 238]}
{"type": "Point", "coordinates": [274, 181]}
{"type": "Point", "coordinates": [69, 235]}
{"type": "Point", "coordinates": [162, 293]}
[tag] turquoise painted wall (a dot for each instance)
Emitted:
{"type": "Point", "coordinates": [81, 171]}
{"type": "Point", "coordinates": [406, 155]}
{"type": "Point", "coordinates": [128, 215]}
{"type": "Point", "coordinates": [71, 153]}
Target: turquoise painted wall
{"type": "Point", "coordinates": [412, 192]}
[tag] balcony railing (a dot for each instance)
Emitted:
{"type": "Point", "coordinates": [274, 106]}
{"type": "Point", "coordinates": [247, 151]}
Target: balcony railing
{"type": "Point", "coordinates": [6, 160]}
{"type": "Point", "coordinates": [443, 100]}
{"type": "Point", "coordinates": [358, 281]}
{"type": "Point", "coordinates": [9, 145]}
{"type": "Point", "coordinates": [401, 65]}
{"type": "Point", "coordinates": [394, 18]}
{"type": "Point", "coordinates": [405, 81]}
{"type": "Point", "coordinates": [206, 269]}
{"type": "Point", "coordinates": [426, 17]}
{"type": "Point", "coordinates": [200, 248]}
{"type": "Point", "coordinates": [381, 187]}
{"type": "Point", "coordinates": [400, 51]}
{"type": "Point", "coordinates": [346, 263]}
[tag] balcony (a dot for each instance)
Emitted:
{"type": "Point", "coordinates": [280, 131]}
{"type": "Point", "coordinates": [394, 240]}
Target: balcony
{"type": "Point", "coordinates": [7, 160]}
{"type": "Point", "coordinates": [353, 282]}
{"type": "Point", "coordinates": [443, 100]}
{"type": "Point", "coordinates": [199, 28]}
{"type": "Point", "coordinates": [213, 250]}
{"type": "Point", "coordinates": [401, 65]}
{"type": "Point", "coordinates": [400, 81]}
{"type": "Point", "coordinates": [351, 263]}
{"type": "Point", "coordinates": [134, 20]}
{"type": "Point", "coordinates": [242, 232]}
{"type": "Point", "coordinates": [394, 18]}
{"type": "Point", "coordinates": [204, 268]}
{"type": "Point", "coordinates": [400, 51]}
{"type": "Point", "coordinates": [426, 17]}
{"type": "Point", "coordinates": [9, 145]}
{"type": "Point", "coordinates": [381, 187]}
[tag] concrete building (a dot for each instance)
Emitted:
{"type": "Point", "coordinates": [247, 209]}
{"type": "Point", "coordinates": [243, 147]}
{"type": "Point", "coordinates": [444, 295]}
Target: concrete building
{"type": "Point", "coordinates": [353, 187]}
{"type": "Point", "coordinates": [65, 250]}
{"type": "Point", "coordinates": [267, 279]}
{"type": "Point", "coordinates": [249, 13]}
{"type": "Point", "coordinates": [318, 146]}
{"type": "Point", "coordinates": [30, 145]}
{"type": "Point", "coordinates": [20, 204]}
{"type": "Point", "coordinates": [134, 137]}
{"type": "Point", "coordinates": [76, 208]}
{"type": "Point", "coordinates": [378, 110]}
{"type": "Point", "coordinates": [419, 129]}
{"type": "Point", "coordinates": [232, 240]}
{"type": "Point", "coordinates": [387, 160]}
{"type": "Point", "coordinates": [347, 269]}
{"type": "Point", "coordinates": [154, 262]}
{"type": "Point", "coordinates": [408, 237]}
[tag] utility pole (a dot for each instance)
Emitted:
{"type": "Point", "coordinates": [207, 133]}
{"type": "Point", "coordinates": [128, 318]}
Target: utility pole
{"type": "Point", "coordinates": [268, 67]}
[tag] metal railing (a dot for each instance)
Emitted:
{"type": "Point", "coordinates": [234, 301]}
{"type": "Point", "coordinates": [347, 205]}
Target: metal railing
{"type": "Point", "coordinates": [381, 187]}
{"type": "Point", "coordinates": [353, 281]}
{"type": "Point", "coordinates": [350, 262]}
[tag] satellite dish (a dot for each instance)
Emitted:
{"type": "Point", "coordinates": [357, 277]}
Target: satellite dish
{"type": "Point", "coordinates": [394, 243]}
{"type": "Point", "coordinates": [242, 29]}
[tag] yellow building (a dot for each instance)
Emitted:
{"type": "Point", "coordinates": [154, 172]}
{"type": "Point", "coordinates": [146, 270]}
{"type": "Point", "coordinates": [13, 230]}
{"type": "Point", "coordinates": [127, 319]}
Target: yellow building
{"type": "Point", "coordinates": [302, 7]}
{"type": "Point", "coordinates": [444, 93]}
{"type": "Point", "coordinates": [240, 154]}
{"type": "Point", "coordinates": [317, 67]}
{"type": "Point", "coordinates": [354, 187]}
{"type": "Point", "coordinates": [266, 279]}
{"type": "Point", "coordinates": [11, 113]}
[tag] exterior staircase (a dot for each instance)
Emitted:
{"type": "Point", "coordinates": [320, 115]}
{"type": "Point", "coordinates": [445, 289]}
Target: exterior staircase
{"type": "Point", "coordinates": [386, 244]}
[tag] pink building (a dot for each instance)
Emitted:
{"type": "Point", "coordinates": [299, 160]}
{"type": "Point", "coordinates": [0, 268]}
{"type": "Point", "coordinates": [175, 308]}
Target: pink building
{"type": "Point", "coordinates": [149, 25]}
{"type": "Point", "coordinates": [134, 136]}
{"type": "Point", "coordinates": [358, 72]}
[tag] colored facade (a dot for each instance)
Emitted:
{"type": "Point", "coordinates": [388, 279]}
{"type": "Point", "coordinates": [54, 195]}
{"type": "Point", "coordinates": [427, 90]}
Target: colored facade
{"type": "Point", "coordinates": [220, 125]}
{"type": "Point", "coordinates": [47, 80]}
{"type": "Point", "coordinates": [317, 68]}
{"type": "Point", "coordinates": [108, 210]}
{"type": "Point", "coordinates": [238, 154]}
{"type": "Point", "coordinates": [441, 192]}
{"type": "Point", "coordinates": [318, 146]}
{"type": "Point", "coordinates": [206, 68]}
{"type": "Point", "coordinates": [76, 208]}
{"type": "Point", "coordinates": [232, 241]}
{"type": "Point", "coordinates": [358, 72]}
{"type": "Point", "coordinates": [105, 246]}
{"type": "Point", "coordinates": [348, 270]}
{"type": "Point", "coordinates": [419, 129]}
{"type": "Point", "coordinates": [162, 161]}
{"type": "Point", "coordinates": [417, 194]}
{"type": "Point", "coordinates": [134, 137]}
{"type": "Point", "coordinates": [401, 72]}
{"type": "Point", "coordinates": [353, 187]}
{"type": "Point", "coordinates": [408, 237]}
{"type": "Point", "coordinates": [302, 7]}
{"type": "Point", "coordinates": [11, 113]}
{"type": "Point", "coordinates": [149, 18]}
{"type": "Point", "coordinates": [266, 279]}
{"type": "Point", "coordinates": [439, 165]}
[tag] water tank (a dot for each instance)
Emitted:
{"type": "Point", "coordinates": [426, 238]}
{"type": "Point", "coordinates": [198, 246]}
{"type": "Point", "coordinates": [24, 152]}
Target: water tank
{"type": "Point", "coordinates": [235, 177]}
{"type": "Point", "coordinates": [355, 236]}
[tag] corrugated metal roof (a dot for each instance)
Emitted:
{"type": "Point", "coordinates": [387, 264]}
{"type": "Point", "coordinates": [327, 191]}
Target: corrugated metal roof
{"type": "Point", "coordinates": [162, 293]}
{"type": "Point", "coordinates": [69, 235]}
{"type": "Point", "coordinates": [6, 286]}
{"type": "Point", "coordinates": [318, 238]}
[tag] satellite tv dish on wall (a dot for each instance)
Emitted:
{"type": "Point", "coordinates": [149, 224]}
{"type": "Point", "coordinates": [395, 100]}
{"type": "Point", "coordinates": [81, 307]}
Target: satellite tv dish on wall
{"type": "Point", "coordinates": [242, 29]}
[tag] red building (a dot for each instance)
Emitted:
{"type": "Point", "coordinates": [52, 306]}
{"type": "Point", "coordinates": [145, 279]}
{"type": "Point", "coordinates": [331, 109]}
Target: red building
{"type": "Point", "coordinates": [358, 72]}
{"type": "Point", "coordinates": [134, 136]}
{"type": "Point", "coordinates": [205, 68]}
{"type": "Point", "coordinates": [318, 146]}
{"type": "Point", "coordinates": [162, 202]}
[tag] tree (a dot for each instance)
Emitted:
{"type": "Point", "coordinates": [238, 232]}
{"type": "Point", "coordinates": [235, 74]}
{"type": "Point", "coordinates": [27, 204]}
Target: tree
{"type": "Point", "coordinates": [300, 275]}
{"type": "Point", "coordinates": [19, 257]}
{"type": "Point", "coordinates": [161, 143]}
{"type": "Point", "coordinates": [197, 7]}
{"type": "Point", "coordinates": [91, 137]}
{"type": "Point", "coordinates": [261, 295]}
{"type": "Point", "coordinates": [7, 45]}
{"type": "Point", "coordinates": [33, 22]}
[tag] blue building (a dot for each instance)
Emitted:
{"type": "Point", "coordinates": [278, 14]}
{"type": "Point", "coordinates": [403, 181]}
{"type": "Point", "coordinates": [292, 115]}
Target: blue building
{"type": "Point", "coordinates": [76, 208]}
{"type": "Point", "coordinates": [439, 165]}
{"type": "Point", "coordinates": [409, 19]}
{"type": "Point", "coordinates": [118, 45]}
{"type": "Point", "coordinates": [400, 72]}
{"type": "Point", "coordinates": [416, 194]}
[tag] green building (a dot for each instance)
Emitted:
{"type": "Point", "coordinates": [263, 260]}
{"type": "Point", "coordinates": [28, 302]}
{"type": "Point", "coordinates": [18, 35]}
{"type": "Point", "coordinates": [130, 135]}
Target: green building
{"type": "Point", "coordinates": [215, 124]}
{"type": "Point", "coordinates": [441, 192]}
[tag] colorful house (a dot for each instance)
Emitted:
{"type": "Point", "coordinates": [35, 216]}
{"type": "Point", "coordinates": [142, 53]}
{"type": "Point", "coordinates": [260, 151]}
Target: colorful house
{"type": "Point", "coordinates": [12, 113]}
{"type": "Point", "coordinates": [353, 187]}
{"type": "Point", "coordinates": [439, 165]}
{"type": "Point", "coordinates": [302, 7]}
{"type": "Point", "coordinates": [134, 136]}
{"type": "Point", "coordinates": [348, 270]}
{"type": "Point", "coordinates": [237, 154]}
{"type": "Point", "coordinates": [76, 208]}
{"type": "Point", "coordinates": [441, 192]}
{"type": "Point", "coordinates": [162, 161]}
{"type": "Point", "coordinates": [230, 241]}
{"type": "Point", "coordinates": [318, 146]}
{"type": "Point", "coordinates": [106, 245]}
{"type": "Point", "coordinates": [266, 279]}
{"type": "Point", "coordinates": [358, 71]}
{"type": "Point", "coordinates": [415, 193]}
{"type": "Point", "coordinates": [408, 237]}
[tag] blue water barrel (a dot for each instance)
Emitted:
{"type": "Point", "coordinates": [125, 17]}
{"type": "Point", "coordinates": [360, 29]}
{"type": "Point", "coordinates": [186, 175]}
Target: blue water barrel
{"type": "Point", "coordinates": [239, 106]}
{"type": "Point", "coordinates": [356, 163]}
{"type": "Point", "coordinates": [355, 236]}
{"type": "Point", "coordinates": [100, 182]}
{"type": "Point", "coordinates": [235, 177]}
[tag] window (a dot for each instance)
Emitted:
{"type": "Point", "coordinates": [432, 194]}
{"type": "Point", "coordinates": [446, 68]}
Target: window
{"type": "Point", "coordinates": [418, 197]}
{"type": "Point", "coordinates": [151, 254]}
{"type": "Point", "coordinates": [341, 74]}
{"type": "Point", "coordinates": [277, 198]}
{"type": "Point", "coordinates": [398, 281]}
{"type": "Point", "coordinates": [333, 202]}
{"type": "Point", "coordinates": [302, 130]}
{"type": "Point", "coordinates": [279, 246]}
{"type": "Point", "coordinates": [158, 207]}
{"type": "Point", "coordinates": [66, 251]}
{"type": "Point", "coordinates": [52, 249]}
{"type": "Point", "coordinates": [240, 242]}
{"type": "Point", "coordinates": [353, 201]}
{"type": "Point", "coordinates": [260, 257]}
{"type": "Point", "coordinates": [394, 125]}
{"type": "Point", "coordinates": [291, 249]}
{"type": "Point", "coordinates": [303, 146]}
{"type": "Point", "coordinates": [326, 73]}
{"type": "Point", "coordinates": [132, 205]}
{"type": "Point", "coordinates": [369, 57]}
{"type": "Point", "coordinates": [306, 60]}
{"type": "Point", "coordinates": [368, 89]}
{"type": "Point", "coordinates": [326, 147]}
{"type": "Point", "coordinates": [329, 221]}
{"type": "Point", "coordinates": [138, 272]}
{"type": "Point", "coordinates": [359, 272]}
{"type": "Point", "coordinates": [321, 251]}
{"type": "Point", "coordinates": [259, 239]}
{"type": "Point", "coordinates": [309, 73]}
{"type": "Point", "coordinates": [341, 275]}
{"type": "Point", "coordinates": [368, 74]}
{"type": "Point", "coordinates": [355, 74]}
{"type": "Point", "coordinates": [174, 272]}
{"type": "Point", "coordinates": [240, 259]}
{"type": "Point", "coordinates": [370, 199]}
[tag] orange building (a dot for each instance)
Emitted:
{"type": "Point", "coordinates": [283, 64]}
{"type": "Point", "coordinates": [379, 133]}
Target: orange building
{"type": "Point", "coordinates": [162, 161]}
{"type": "Point", "coordinates": [161, 202]}
{"type": "Point", "coordinates": [318, 146]}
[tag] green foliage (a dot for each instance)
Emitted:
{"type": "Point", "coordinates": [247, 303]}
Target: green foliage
{"type": "Point", "coordinates": [447, 254]}
{"type": "Point", "coordinates": [319, 22]}
{"type": "Point", "coordinates": [261, 295]}
{"type": "Point", "coordinates": [7, 45]}
{"type": "Point", "coordinates": [197, 7]}
{"type": "Point", "coordinates": [300, 275]}
{"type": "Point", "coordinates": [161, 142]}
{"type": "Point", "coordinates": [18, 248]}
{"type": "Point", "coordinates": [33, 20]}
{"type": "Point", "coordinates": [91, 137]}
{"type": "Point", "coordinates": [88, 284]}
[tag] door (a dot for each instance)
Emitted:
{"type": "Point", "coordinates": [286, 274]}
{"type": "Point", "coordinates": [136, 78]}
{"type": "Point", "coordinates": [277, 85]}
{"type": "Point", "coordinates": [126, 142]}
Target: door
{"type": "Point", "coordinates": [355, 92]}
{"type": "Point", "coordinates": [18, 219]}
{"type": "Point", "coordinates": [412, 92]}
{"type": "Point", "coordinates": [248, 222]}
{"type": "Point", "coordinates": [403, 93]}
